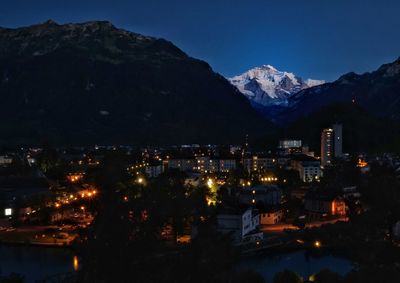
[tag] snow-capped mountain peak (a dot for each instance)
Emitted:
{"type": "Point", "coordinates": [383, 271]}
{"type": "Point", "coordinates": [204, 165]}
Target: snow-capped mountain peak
{"type": "Point", "coordinates": [267, 86]}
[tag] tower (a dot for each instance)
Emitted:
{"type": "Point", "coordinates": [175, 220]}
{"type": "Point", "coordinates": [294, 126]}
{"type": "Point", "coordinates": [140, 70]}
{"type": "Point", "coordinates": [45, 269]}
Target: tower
{"type": "Point", "coordinates": [326, 146]}
{"type": "Point", "coordinates": [337, 132]}
{"type": "Point", "coordinates": [331, 144]}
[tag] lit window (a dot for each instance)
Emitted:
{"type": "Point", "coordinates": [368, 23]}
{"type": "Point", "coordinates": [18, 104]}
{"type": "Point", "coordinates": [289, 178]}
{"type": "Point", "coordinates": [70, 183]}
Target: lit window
{"type": "Point", "coordinates": [8, 211]}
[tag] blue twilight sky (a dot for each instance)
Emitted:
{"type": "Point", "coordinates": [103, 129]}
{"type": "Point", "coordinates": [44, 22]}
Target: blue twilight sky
{"type": "Point", "coordinates": [321, 39]}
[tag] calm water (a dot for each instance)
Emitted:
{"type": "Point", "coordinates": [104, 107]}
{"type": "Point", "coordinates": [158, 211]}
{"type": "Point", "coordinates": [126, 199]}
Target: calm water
{"type": "Point", "coordinates": [268, 265]}
{"type": "Point", "coordinates": [36, 263]}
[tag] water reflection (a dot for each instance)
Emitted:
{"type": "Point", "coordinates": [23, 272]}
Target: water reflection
{"type": "Point", "coordinates": [36, 263]}
{"type": "Point", "coordinates": [300, 262]}
{"type": "Point", "coordinates": [76, 263]}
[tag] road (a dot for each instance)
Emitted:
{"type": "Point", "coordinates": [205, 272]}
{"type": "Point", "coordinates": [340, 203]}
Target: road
{"type": "Point", "coordinates": [279, 228]}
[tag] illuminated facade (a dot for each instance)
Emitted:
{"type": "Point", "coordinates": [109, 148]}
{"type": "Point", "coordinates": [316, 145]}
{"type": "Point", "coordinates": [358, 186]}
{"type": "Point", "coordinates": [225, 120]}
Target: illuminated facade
{"type": "Point", "coordinates": [290, 144]}
{"type": "Point", "coordinates": [256, 163]}
{"type": "Point", "coordinates": [331, 144]}
{"type": "Point", "coordinates": [326, 146]}
{"type": "Point", "coordinates": [319, 205]}
{"type": "Point", "coordinates": [238, 224]}
{"type": "Point", "coordinates": [308, 167]}
{"type": "Point", "coordinates": [203, 164]}
{"type": "Point", "coordinates": [338, 140]}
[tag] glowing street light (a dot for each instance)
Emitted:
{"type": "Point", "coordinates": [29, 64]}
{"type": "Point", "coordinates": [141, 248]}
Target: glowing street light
{"type": "Point", "coordinates": [210, 183]}
{"type": "Point", "coordinates": [75, 263]}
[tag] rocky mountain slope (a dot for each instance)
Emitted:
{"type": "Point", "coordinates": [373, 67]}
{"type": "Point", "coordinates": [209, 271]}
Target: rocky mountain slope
{"type": "Point", "coordinates": [95, 83]}
{"type": "Point", "coordinates": [266, 86]}
{"type": "Point", "coordinates": [377, 92]}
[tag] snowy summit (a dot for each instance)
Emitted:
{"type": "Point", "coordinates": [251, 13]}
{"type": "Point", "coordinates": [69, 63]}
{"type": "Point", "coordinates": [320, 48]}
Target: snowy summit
{"type": "Point", "coordinates": [267, 86]}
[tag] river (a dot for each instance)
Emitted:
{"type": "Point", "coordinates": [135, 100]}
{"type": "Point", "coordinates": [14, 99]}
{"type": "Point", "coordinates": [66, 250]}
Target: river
{"type": "Point", "coordinates": [299, 262]}
{"type": "Point", "coordinates": [36, 263]}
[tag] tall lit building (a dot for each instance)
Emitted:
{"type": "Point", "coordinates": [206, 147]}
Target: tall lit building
{"type": "Point", "coordinates": [337, 132]}
{"type": "Point", "coordinates": [331, 144]}
{"type": "Point", "coordinates": [326, 146]}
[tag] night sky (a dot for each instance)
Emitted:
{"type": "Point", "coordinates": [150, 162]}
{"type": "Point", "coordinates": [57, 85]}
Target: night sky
{"type": "Point", "coordinates": [321, 39]}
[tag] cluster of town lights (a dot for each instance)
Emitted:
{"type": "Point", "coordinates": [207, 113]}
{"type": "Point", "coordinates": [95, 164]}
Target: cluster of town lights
{"type": "Point", "coordinates": [269, 179]}
{"type": "Point", "coordinates": [71, 198]}
{"type": "Point", "coordinates": [138, 166]}
{"type": "Point", "coordinates": [75, 177]}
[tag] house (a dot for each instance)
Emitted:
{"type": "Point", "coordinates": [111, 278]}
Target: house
{"type": "Point", "coordinates": [351, 192]}
{"type": "Point", "coordinates": [238, 223]}
{"type": "Point", "coordinates": [260, 162]}
{"type": "Point", "coordinates": [226, 164]}
{"type": "Point", "coordinates": [193, 179]}
{"type": "Point", "coordinates": [265, 195]}
{"type": "Point", "coordinates": [271, 216]}
{"type": "Point", "coordinates": [308, 167]}
{"type": "Point", "coordinates": [19, 194]}
{"type": "Point", "coordinates": [203, 164]}
{"type": "Point", "coordinates": [5, 160]}
{"type": "Point", "coordinates": [396, 230]}
{"type": "Point", "coordinates": [320, 204]}
{"type": "Point", "coordinates": [183, 164]}
{"type": "Point", "coordinates": [153, 170]}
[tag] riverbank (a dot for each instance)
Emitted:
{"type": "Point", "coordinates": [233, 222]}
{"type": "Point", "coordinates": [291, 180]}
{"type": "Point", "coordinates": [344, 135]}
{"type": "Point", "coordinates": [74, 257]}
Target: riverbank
{"type": "Point", "coordinates": [304, 262]}
{"type": "Point", "coordinates": [37, 263]}
{"type": "Point", "coordinates": [38, 236]}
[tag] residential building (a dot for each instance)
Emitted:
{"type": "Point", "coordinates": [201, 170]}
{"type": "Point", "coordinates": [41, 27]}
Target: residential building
{"type": "Point", "coordinates": [289, 146]}
{"type": "Point", "coordinates": [184, 164]}
{"type": "Point", "coordinates": [226, 165]}
{"type": "Point", "coordinates": [287, 143]}
{"type": "Point", "coordinates": [331, 144]}
{"type": "Point", "coordinates": [338, 140]}
{"type": "Point", "coordinates": [396, 230]}
{"type": "Point", "coordinates": [308, 167]}
{"type": "Point", "coordinates": [238, 223]}
{"type": "Point", "coordinates": [320, 204]}
{"type": "Point", "coordinates": [266, 195]}
{"type": "Point", "coordinates": [326, 147]}
{"type": "Point", "coordinates": [18, 194]}
{"type": "Point", "coordinates": [272, 216]}
{"type": "Point", "coordinates": [154, 170]}
{"type": "Point", "coordinates": [5, 160]}
{"type": "Point", "coordinates": [203, 164]}
{"type": "Point", "coordinates": [261, 162]}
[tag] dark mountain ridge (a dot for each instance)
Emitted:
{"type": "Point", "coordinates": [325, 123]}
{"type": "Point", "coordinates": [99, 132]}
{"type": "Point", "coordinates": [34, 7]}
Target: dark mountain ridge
{"type": "Point", "coordinates": [378, 92]}
{"type": "Point", "coordinates": [94, 83]}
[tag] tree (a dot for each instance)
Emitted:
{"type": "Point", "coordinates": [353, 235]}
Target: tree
{"type": "Point", "coordinates": [300, 223]}
{"type": "Point", "coordinates": [247, 276]}
{"type": "Point", "coordinates": [287, 276]}
{"type": "Point", "coordinates": [12, 278]}
{"type": "Point", "coordinates": [327, 276]}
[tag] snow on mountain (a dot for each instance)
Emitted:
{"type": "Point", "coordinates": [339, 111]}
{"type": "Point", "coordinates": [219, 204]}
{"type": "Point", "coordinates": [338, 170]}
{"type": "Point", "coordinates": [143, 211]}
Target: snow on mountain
{"type": "Point", "coordinates": [267, 86]}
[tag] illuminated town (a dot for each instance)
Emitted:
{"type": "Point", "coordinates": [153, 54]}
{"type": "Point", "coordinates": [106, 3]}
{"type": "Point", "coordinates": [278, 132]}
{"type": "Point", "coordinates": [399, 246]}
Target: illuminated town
{"type": "Point", "coordinates": [263, 201]}
{"type": "Point", "coordinates": [199, 141]}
